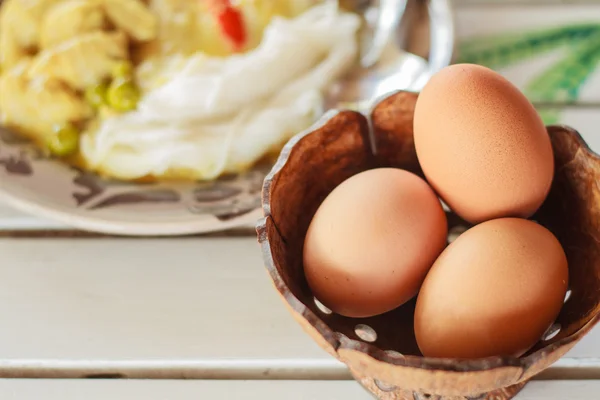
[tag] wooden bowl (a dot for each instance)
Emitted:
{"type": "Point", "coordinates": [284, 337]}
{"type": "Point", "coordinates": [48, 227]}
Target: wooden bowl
{"type": "Point", "coordinates": [381, 351]}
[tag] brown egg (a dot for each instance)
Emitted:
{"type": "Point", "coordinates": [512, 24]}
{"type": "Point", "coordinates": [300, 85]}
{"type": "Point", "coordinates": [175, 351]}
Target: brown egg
{"type": "Point", "coordinates": [493, 292]}
{"type": "Point", "coordinates": [372, 241]}
{"type": "Point", "coordinates": [482, 145]}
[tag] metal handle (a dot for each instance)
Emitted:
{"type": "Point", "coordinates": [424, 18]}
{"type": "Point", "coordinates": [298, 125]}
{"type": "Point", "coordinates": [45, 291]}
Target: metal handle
{"type": "Point", "coordinates": [389, 16]}
{"type": "Point", "coordinates": [442, 34]}
{"type": "Point", "coordinates": [441, 43]}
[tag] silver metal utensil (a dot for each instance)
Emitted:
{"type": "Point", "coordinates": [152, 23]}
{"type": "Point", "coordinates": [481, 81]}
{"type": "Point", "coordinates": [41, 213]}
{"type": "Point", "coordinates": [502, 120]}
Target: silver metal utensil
{"type": "Point", "coordinates": [384, 67]}
{"type": "Point", "coordinates": [390, 14]}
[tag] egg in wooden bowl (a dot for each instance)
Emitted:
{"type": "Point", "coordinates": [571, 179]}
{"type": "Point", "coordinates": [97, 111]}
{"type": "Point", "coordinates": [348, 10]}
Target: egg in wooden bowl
{"type": "Point", "coordinates": [381, 350]}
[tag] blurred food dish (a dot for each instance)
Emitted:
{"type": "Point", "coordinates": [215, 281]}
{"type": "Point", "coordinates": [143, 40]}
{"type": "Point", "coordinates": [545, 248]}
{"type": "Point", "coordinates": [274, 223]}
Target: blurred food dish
{"type": "Point", "coordinates": [161, 116]}
{"type": "Point", "coordinates": [170, 88]}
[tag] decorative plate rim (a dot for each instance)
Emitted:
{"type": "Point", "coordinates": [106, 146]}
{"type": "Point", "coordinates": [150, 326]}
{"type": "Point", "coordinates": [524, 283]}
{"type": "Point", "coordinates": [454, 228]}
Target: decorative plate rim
{"type": "Point", "coordinates": [77, 219]}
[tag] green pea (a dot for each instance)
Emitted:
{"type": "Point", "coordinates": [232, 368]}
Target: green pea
{"type": "Point", "coordinates": [64, 141]}
{"type": "Point", "coordinates": [96, 95]}
{"type": "Point", "coordinates": [123, 69]}
{"type": "Point", "coordinates": [123, 95]}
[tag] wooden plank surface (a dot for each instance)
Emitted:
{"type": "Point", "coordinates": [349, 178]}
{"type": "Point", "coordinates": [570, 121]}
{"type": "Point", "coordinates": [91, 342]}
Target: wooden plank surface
{"type": "Point", "coordinates": [161, 308]}
{"type": "Point", "coordinates": [137, 304]}
{"type": "Point", "coordinates": [243, 390]}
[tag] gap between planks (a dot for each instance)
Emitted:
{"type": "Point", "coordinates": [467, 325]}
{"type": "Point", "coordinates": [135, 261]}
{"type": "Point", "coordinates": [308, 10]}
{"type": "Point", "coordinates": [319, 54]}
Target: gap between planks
{"type": "Point", "coordinates": [243, 369]}
{"type": "Point", "coordinates": [24, 389]}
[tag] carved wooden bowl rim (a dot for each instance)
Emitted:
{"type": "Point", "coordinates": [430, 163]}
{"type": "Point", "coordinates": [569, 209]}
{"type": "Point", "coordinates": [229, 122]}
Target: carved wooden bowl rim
{"type": "Point", "coordinates": [338, 341]}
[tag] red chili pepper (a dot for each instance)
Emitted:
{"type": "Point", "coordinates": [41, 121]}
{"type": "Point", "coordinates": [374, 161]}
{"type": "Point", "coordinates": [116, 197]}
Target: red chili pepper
{"type": "Point", "coordinates": [231, 22]}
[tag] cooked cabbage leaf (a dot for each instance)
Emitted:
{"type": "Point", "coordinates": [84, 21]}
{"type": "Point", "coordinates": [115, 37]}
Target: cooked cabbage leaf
{"type": "Point", "coordinates": [35, 106]}
{"type": "Point", "coordinates": [20, 22]}
{"type": "Point", "coordinates": [70, 19]}
{"type": "Point", "coordinates": [133, 17]}
{"type": "Point", "coordinates": [82, 61]}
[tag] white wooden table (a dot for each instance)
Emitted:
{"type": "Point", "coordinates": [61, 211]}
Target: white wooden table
{"type": "Point", "coordinates": [159, 310]}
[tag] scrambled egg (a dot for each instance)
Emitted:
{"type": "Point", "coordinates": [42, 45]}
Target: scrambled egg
{"type": "Point", "coordinates": [52, 51]}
